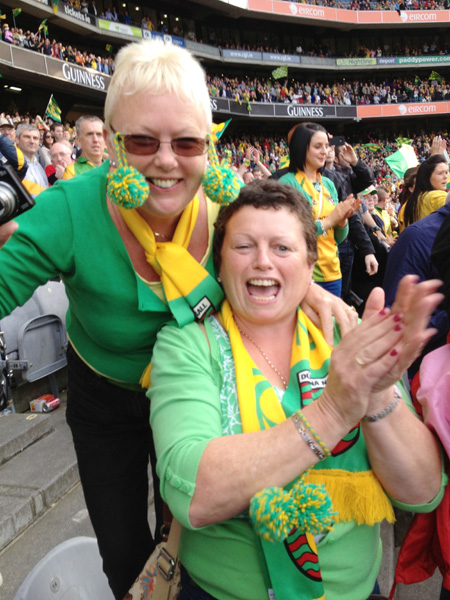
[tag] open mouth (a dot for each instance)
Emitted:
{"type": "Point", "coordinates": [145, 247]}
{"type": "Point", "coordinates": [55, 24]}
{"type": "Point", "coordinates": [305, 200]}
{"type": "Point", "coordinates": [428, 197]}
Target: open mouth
{"type": "Point", "coordinates": [163, 183]}
{"type": "Point", "coordinates": [263, 289]}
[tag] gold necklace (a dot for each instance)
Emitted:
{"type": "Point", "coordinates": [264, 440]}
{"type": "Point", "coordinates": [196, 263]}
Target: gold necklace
{"type": "Point", "coordinates": [160, 235]}
{"type": "Point", "coordinates": [264, 355]}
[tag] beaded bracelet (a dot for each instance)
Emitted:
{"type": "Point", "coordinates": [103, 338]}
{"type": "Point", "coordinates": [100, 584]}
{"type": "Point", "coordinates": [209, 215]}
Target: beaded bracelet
{"type": "Point", "coordinates": [312, 432]}
{"type": "Point", "coordinates": [321, 455]}
{"type": "Point", "coordinates": [386, 411]}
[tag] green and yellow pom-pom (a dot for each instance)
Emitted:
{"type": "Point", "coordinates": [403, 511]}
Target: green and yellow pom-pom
{"type": "Point", "coordinates": [127, 187]}
{"type": "Point", "coordinates": [275, 512]}
{"type": "Point", "coordinates": [221, 184]}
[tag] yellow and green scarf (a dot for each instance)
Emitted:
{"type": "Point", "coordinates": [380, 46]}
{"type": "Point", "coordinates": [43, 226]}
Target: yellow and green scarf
{"type": "Point", "coordinates": [356, 494]}
{"type": "Point", "coordinates": [189, 290]}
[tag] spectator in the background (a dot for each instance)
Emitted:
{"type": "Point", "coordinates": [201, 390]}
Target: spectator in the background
{"type": "Point", "coordinates": [411, 254]}
{"type": "Point", "coordinates": [381, 205]}
{"type": "Point", "coordinates": [89, 131]}
{"type": "Point", "coordinates": [7, 128]}
{"type": "Point", "coordinates": [61, 158]}
{"type": "Point", "coordinates": [44, 151]}
{"type": "Point", "coordinates": [35, 180]}
{"type": "Point", "coordinates": [7, 35]}
{"type": "Point", "coordinates": [57, 130]}
{"type": "Point", "coordinates": [430, 190]}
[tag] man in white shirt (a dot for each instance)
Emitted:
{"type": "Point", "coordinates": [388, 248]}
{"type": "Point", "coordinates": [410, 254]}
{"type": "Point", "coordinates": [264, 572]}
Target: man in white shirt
{"type": "Point", "coordinates": [27, 139]}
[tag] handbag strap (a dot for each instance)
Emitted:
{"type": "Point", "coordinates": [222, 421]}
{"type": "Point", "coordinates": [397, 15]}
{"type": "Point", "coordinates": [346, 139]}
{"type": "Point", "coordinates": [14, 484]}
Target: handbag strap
{"type": "Point", "coordinates": [167, 563]}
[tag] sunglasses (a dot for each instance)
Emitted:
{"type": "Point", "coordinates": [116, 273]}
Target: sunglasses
{"type": "Point", "coordinates": [145, 145]}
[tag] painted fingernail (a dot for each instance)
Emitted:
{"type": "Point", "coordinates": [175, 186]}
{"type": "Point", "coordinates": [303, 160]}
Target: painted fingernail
{"type": "Point", "coordinates": [397, 318]}
{"type": "Point", "coordinates": [383, 312]}
{"type": "Point", "coordinates": [398, 327]}
{"type": "Point", "coordinates": [394, 352]}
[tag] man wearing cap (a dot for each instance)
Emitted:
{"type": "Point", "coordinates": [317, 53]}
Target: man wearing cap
{"type": "Point", "coordinates": [7, 128]}
{"type": "Point", "coordinates": [9, 153]}
{"type": "Point", "coordinates": [90, 139]}
{"type": "Point", "coordinates": [35, 180]}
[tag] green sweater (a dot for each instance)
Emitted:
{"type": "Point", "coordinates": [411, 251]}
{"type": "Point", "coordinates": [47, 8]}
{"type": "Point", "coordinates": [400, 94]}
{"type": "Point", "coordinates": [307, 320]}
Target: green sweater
{"type": "Point", "coordinates": [193, 400]}
{"type": "Point", "coordinates": [113, 315]}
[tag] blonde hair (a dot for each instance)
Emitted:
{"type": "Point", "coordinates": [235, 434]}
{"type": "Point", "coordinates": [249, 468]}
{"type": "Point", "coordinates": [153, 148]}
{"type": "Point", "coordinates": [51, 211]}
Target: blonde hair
{"type": "Point", "coordinates": [150, 66]}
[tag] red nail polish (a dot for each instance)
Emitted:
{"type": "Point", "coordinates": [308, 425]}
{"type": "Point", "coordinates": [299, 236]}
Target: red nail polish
{"type": "Point", "coordinates": [383, 312]}
{"type": "Point", "coordinates": [394, 352]}
{"type": "Point", "coordinates": [398, 327]}
{"type": "Point", "coordinates": [397, 318]}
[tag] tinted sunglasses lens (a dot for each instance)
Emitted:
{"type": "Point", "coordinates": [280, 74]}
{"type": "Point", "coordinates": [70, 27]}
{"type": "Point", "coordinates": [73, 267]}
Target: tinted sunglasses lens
{"type": "Point", "coordinates": [189, 146]}
{"type": "Point", "coordinates": [141, 144]}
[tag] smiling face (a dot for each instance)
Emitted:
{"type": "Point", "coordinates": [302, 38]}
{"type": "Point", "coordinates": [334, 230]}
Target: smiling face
{"type": "Point", "coordinates": [264, 265]}
{"type": "Point", "coordinates": [439, 177]}
{"type": "Point", "coordinates": [317, 152]}
{"type": "Point", "coordinates": [173, 180]}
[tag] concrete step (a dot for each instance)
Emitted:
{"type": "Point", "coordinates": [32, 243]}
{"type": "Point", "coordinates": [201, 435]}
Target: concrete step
{"type": "Point", "coordinates": [38, 476]}
{"type": "Point", "coordinates": [18, 432]}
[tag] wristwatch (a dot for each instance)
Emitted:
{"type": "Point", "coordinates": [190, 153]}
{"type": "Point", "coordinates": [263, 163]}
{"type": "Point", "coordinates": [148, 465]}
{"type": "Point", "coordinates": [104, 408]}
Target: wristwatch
{"type": "Point", "coordinates": [375, 228]}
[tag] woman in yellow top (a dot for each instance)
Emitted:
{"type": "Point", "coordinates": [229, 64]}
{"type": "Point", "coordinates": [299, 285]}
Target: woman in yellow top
{"type": "Point", "coordinates": [430, 190]}
{"type": "Point", "coordinates": [308, 147]}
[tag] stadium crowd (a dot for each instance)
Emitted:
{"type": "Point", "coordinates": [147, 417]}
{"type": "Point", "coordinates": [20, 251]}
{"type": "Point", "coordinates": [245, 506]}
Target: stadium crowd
{"type": "Point", "coordinates": [342, 92]}
{"type": "Point", "coordinates": [38, 42]}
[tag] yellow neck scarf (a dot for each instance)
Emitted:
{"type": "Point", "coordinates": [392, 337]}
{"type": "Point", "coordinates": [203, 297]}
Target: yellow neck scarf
{"type": "Point", "coordinates": [190, 291]}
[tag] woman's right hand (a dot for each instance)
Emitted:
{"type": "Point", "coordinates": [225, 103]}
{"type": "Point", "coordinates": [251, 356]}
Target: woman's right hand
{"type": "Point", "coordinates": [341, 212]}
{"type": "Point", "coordinates": [6, 231]}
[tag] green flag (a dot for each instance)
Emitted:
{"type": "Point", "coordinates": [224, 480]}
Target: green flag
{"type": "Point", "coordinates": [402, 160]}
{"type": "Point", "coordinates": [403, 140]}
{"type": "Point", "coordinates": [109, 48]}
{"type": "Point", "coordinates": [16, 12]}
{"type": "Point", "coordinates": [53, 110]}
{"type": "Point", "coordinates": [218, 129]}
{"type": "Point", "coordinates": [280, 72]}
{"type": "Point", "coordinates": [372, 147]}
{"type": "Point", "coordinates": [43, 27]}
{"type": "Point", "coordinates": [435, 76]}
{"type": "Point", "coordinates": [55, 6]}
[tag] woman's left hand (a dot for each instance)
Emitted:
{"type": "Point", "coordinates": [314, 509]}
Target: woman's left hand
{"type": "Point", "coordinates": [321, 306]}
{"type": "Point", "coordinates": [413, 307]}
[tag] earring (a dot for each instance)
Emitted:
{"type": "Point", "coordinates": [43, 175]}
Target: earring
{"type": "Point", "coordinates": [219, 279]}
{"type": "Point", "coordinates": [126, 186]}
{"type": "Point", "coordinates": [220, 183]}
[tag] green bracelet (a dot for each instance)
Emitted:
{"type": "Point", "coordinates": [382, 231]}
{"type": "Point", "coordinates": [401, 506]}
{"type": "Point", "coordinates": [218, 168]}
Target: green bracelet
{"type": "Point", "coordinates": [313, 433]}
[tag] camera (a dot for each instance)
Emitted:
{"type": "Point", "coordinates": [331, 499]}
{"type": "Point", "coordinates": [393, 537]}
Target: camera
{"type": "Point", "coordinates": [14, 198]}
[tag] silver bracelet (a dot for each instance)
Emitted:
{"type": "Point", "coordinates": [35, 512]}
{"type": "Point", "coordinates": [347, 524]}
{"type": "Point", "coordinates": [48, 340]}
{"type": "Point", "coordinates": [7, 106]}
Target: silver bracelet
{"type": "Point", "coordinates": [386, 411]}
{"type": "Point", "coordinates": [302, 431]}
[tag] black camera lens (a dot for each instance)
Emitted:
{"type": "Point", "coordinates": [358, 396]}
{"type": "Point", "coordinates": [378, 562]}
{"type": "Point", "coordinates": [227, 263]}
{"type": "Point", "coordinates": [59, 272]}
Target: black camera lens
{"type": "Point", "coordinates": [8, 201]}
